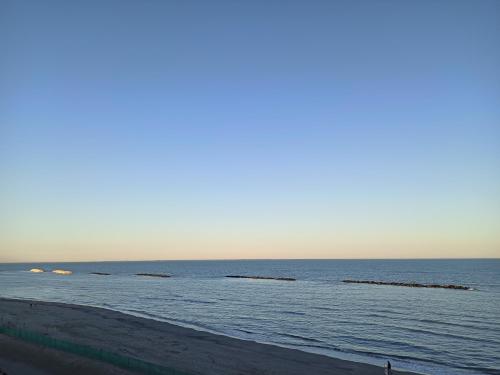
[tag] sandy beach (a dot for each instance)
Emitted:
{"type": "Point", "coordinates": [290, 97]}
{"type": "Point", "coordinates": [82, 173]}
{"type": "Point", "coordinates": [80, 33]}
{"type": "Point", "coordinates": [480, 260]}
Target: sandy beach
{"type": "Point", "coordinates": [18, 357]}
{"type": "Point", "coordinates": [161, 343]}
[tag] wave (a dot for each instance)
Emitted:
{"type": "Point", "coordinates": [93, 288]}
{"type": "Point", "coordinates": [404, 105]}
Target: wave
{"type": "Point", "coordinates": [445, 334]}
{"type": "Point", "coordinates": [290, 312]}
{"type": "Point", "coordinates": [326, 347]}
{"type": "Point", "coordinates": [176, 321]}
{"type": "Point", "coordinates": [475, 327]}
{"type": "Point", "coordinates": [299, 337]}
{"type": "Point", "coordinates": [411, 359]}
{"type": "Point", "coordinates": [437, 323]}
{"type": "Point", "coordinates": [198, 301]}
{"type": "Point", "coordinates": [245, 331]}
{"type": "Point", "coordinates": [431, 331]}
{"type": "Point", "coordinates": [323, 308]}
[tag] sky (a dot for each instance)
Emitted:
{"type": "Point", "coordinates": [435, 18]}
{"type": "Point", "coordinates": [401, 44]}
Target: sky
{"type": "Point", "coordinates": [140, 130]}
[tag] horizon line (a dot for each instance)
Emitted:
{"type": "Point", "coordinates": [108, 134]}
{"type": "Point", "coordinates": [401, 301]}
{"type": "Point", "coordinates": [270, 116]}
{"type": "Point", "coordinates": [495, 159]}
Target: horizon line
{"type": "Point", "coordinates": [241, 259]}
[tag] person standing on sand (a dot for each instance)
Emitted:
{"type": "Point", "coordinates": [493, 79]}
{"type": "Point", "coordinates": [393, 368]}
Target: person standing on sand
{"type": "Point", "coordinates": [388, 368]}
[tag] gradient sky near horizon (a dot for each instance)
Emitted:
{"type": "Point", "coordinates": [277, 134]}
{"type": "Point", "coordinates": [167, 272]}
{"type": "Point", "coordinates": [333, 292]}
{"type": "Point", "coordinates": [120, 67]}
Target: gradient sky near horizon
{"type": "Point", "coordinates": [249, 129]}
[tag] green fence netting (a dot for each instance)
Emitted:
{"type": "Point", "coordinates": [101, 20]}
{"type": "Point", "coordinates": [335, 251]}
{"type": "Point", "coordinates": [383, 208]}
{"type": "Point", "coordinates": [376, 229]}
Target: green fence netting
{"type": "Point", "coordinates": [122, 361]}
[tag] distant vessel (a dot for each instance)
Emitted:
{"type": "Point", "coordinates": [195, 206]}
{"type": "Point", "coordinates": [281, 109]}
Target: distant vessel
{"type": "Point", "coordinates": [36, 270]}
{"type": "Point", "coordinates": [62, 272]}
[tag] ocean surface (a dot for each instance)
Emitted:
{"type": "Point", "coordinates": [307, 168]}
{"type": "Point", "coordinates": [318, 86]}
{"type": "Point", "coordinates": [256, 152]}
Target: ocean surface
{"type": "Point", "coordinates": [434, 331]}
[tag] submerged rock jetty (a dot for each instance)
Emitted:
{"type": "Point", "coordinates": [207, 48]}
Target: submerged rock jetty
{"type": "Point", "coordinates": [262, 277]}
{"type": "Point", "coordinates": [153, 274]}
{"type": "Point", "coordinates": [100, 273]}
{"type": "Point", "coordinates": [411, 285]}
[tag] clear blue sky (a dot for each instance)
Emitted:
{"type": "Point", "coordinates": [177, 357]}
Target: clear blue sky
{"type": "Point", "coordinates": [249, 129]}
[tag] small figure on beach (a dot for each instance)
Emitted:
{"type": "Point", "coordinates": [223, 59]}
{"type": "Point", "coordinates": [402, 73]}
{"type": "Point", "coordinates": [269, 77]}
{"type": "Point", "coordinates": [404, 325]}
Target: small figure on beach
{"type": "Point", "coordinates": [388, 368]}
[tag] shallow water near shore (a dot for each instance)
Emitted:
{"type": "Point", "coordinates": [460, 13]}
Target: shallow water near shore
{"type": "Point", "coordinates": [434, 331]}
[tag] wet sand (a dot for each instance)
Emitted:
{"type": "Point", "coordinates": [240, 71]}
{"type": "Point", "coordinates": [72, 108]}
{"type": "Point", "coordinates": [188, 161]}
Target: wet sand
{"type": "Point", "coordinates": [196, 352]}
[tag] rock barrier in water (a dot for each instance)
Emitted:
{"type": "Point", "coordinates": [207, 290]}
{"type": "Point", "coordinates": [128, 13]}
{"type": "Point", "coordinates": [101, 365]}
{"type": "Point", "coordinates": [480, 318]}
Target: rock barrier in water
{"type": "Point", "coordinates": [411, 285]}
{"type": "Point", "coordinates": [62, 272]}
{"type": "Point", "coordinates": [153, 274]}
{"type": "Point", "coordinates": [37, 270]}
{"type": "Point", "coordinates": [262, 278]}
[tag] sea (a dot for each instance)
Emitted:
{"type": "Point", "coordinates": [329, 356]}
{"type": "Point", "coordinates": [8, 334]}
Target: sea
{"type": "Point", "coordinates": [431, 331]}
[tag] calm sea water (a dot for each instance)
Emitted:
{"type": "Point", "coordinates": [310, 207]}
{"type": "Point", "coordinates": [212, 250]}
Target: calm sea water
{"type": "Point", "coordinates": [435, 331]}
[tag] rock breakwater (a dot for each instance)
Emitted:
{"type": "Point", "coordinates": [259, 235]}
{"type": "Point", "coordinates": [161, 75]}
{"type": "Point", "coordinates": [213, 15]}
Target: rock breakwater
{"type": "Point", "coordinates": [262, 277]}
{"type": "Point", "coordinates": [411, 285]}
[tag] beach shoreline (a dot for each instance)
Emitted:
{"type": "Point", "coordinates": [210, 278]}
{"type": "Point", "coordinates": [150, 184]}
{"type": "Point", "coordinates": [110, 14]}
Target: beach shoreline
{"type": "Point", "coordinates": [166, 344]}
